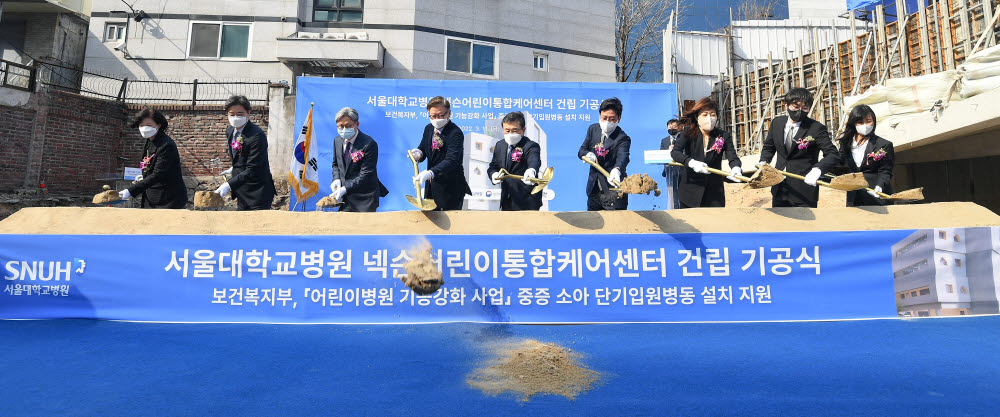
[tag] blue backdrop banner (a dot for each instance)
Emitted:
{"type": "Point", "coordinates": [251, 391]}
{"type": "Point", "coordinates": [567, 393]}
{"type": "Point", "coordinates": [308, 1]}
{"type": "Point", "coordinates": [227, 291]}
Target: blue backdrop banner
{"type": "Point", "coordinates": [530, 278]}
{"type": "Point", "coordinates": [394, 113]}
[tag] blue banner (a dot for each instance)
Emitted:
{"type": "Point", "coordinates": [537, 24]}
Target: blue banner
{"type": "Point", "coordinates": [393, 112]}
{"type": "Point", "coordinates": [523, 279]}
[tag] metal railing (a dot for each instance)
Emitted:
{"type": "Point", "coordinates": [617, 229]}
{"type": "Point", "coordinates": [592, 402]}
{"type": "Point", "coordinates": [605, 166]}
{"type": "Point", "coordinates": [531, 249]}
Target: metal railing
{"type": "Point", "coordinates": [17, 76]}
{"type": "Point", "coordinates": [136, 91]}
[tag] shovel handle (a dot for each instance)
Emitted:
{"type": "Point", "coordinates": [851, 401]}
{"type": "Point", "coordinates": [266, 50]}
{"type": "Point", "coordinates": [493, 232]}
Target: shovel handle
{"type": "Point", "coordinates": [715, 171]}
{"type": "Point", "coordinates": [799, 177]}
{"type": "Point", "coordinates": [600, 169]}
{"type": "Point", "coordinates": [416, 171]}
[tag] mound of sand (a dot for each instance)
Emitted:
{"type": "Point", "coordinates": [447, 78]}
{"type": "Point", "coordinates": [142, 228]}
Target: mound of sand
{"type": "Point", "coordinates": [639, 184]}
{"type": "Point", "coordinates": [108, 196]}
{"type": "Point", "coordinates": [765, 177]}
{"type": "Point", "coordinates": [530, 368]}
{"type": "Point", "coordinates": [94, 220]}
{"type": "Point", "coordinates": [208, 199]}
{"type": "Point", "coordinates": [422, 274]}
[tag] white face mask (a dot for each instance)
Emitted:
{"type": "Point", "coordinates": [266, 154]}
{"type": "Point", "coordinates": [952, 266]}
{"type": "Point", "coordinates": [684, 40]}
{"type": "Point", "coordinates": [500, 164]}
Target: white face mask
{"type": "Point", "coordinates": [608, 127]}
{"type": "Point", "coordinates": [707, 123]}
{"type": "Point", "coordinates": [512, 138]}
{"type": "Point", "coordinates": [237, 121]}
{"type": "Point", "coordinates": [439, 123]}
{"type": "Point", "coordinates": [147, 131]}
{"type": "Point", "coordinates": [864, 129]}
{"type": "Point", "coordinates": [346, 132]}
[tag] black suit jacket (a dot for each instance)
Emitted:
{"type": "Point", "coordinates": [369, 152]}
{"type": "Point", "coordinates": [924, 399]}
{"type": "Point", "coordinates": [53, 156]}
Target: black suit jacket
{"type": "Point", "coordinates": [446, 164]}
{"type": "Point", "coordinates": [798, 161]}
{"type": "Point", "coordinates": [694, 188]}
{"type": "Point", "coordinates": [617, 144]}
{"type": "Point", "coordinates": [514, 194]}
{"type": "Point", "coordinates": [877, 173]}
{"type": "Point", "coordinates": [162, 184]}
{"type": "Point", "coordinates": [251, 184]}
{"type": "Point", "coordinates": [359, 178]}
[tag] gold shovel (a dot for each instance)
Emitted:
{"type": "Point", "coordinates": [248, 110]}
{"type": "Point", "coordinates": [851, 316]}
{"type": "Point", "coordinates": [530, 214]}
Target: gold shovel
{"type": "Point", "coordinates": [540, 183]}
{"type": "Point", "coordinates": [914, 194]}
{"type": "Point", "coordinates": [842, 182]}
{"type": "Point", "coordinates": [418, 201]}
{"type": "Point", "coordinates": [617, 184]}
{"type": "Point", "coordinates": [755, 181]}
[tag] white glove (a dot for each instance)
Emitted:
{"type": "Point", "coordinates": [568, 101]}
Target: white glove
{"type": "Point", "coordinates": [338, 193]}
{"type": "Point", "coordinates": [812, 176]}
{"type": "Point", "coordinates": [495, 178]}
{"type": "Point", "coordinates": [223, 189]}
{"type": "Point", "coordinates": [736, 172]}
{"type": "Point", "coordinates": [591, 156]}
{"type": "Point", "coordinates": [226, 172]}
{"type": "Point", "coordinates": [874, 192]}
{"type": "Point", "coordinates": [615, 178]}
{"type": "Point", "coordinates": [530, 173]}
{"type": "Point", "coordinates": [698, 166]}
{"type": "Point", "coordinates": [124, 194]}
{"type": "Point", "coordinates": [335, 184]}
{"type": "Point", "coordinates": [763, 163]}
{"type": "Point", "coordinates": [423, 176]}
{"type": "Point", "coordinates": [137, 178]}
{"type": "Point", "coordinates": [417, 154]}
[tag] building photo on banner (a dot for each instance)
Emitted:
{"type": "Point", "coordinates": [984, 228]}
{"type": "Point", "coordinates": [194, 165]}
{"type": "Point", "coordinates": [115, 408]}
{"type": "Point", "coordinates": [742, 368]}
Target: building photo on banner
{"type": "Point", "coordinates": [557, 115]}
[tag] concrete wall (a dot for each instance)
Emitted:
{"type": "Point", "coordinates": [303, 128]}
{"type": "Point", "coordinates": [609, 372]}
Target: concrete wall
{"type": "Point", "coordinates": [975, 179]}
{"type": "Point", "coordinates": [158, 46]}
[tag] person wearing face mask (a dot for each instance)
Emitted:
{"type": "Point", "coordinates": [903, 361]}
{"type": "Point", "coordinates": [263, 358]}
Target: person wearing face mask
{"type": "Point", "coordinates": [671, 173]}
{"type": "Point", "coordinates": [863, 151]}
{"type": "Point", "coordinates": [608, 145]}
{"type": "Point", "coordinates": [251, 184]}
{"type": "Point", "coordinates": [442, 145]}
{"type": "Point", "coordinates": [704, 145]}
{"type": "Point", "coordinates": [161, 184]}
{"type": "Point", "coordinates": [797, 140]}
{"type": "Point", "coordinates": [355, 166]}
{"type": "Point", "coordinates": [518, 155]}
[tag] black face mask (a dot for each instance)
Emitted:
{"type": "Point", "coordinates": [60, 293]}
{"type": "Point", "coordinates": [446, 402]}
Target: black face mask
{"type": "Point", "coordinates": [795, 115]}
{"type": "Point", "coordinates": [672, 131]}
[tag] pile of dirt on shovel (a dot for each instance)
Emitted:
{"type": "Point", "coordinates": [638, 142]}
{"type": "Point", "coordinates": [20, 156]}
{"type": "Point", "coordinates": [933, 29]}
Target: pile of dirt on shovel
{"type": "Point", "coordinates": [530, 367]}
{"type": "Point", "coordinates": [639, 184]}
{"type": "Point", "coordinates": [107, 196]}
{"type": "Point", "coordinates": [422, 274]}
{"type": "Point", "coordinates": [208, 199]}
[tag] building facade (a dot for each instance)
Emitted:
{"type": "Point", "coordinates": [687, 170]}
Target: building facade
{"type": "Point", "coordinates": [944, 272]}
{"type": "Point", "coordinates": [527, 40]}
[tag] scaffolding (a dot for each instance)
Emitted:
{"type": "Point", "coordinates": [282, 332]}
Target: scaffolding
{"type": "Point", "coordinates": [938, 37]}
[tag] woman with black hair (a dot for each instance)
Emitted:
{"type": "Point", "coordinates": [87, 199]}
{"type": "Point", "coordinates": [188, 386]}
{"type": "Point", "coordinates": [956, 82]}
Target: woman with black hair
{"type": "Point", "coordinates": [161, 184]}
{"type": "Point", "coordinates": [704, 145]}
{"type": "Point", "coordinates": [861, 150]}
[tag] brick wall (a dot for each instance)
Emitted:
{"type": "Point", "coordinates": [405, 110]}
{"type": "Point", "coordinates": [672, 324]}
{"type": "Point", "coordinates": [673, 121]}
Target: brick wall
{"type": "Point", "coordinates": [199, 132]}
{"type": "Point", "coordinates": [15, 140]}
{"type": "Point", "coordinates": [70, 142]}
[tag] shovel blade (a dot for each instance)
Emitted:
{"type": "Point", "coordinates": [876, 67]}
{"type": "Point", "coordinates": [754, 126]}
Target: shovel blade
{"type": "Point", "coordinates": [915, 194]}
{"type": "Point", "coordinates": [538, 188]}
{"type": "Point", "coordinates": [425, 205]}
{"type": "Point", "coordinates": [849, 182]}
{"type": "Point", "coordinates": [765, 177]}
{"type": "Point", "coordinates": [548, 174]}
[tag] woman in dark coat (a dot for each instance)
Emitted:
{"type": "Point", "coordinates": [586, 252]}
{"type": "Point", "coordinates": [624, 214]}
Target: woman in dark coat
{"type": "Point", "coordinates": [699, 147]}
{"type": "Point", "coordinates": [861, 150]}
{"type": "Point", "coordinates": [161, 184]}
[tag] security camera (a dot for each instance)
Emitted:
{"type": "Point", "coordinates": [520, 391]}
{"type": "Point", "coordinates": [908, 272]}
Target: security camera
{"type": "Point", "coordinates": [120, 45]}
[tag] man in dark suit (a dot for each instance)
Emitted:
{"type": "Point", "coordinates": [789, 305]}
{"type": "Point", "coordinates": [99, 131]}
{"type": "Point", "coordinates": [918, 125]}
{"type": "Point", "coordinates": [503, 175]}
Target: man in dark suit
{"type": "Point", "coordinates": [443, 146]}
{"type": "Point", "coordinates": [251, 184]}
{"type": "Point", "coordinates": [608, 145]}
{"type": "Point", "coordinates": [355, 166]}
{"type": "Point", "coordinates": [519, 156]}
{"type": "Point", "coordinates": [797, 140]}
{"type": "Point", "coordinates": [671, 173]}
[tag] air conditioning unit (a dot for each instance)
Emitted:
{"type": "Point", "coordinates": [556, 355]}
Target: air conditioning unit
{"type": "Point", "coordinates": [361, 36]}
{"type": "Point", "coordinates": [308, 35]}
{"type": "Point", "coordinates": [336, 35]}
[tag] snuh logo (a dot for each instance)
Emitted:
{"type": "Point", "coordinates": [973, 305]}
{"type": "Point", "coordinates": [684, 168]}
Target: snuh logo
{"type": "Point", "coordinates": [21, 270]}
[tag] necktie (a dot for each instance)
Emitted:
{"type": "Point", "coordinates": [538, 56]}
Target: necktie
{"type": "Point", "coordinates": [347, 152]}
{"type": "Point", "coordinates": [510, 149]}
{"type": "Point", "coordinates": [788, 139]}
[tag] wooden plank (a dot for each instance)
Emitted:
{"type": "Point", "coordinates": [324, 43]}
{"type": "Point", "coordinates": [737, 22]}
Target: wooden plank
{"type": "Point", "coordinates": [879, 59]}
{"type": "Point", "coordinates": [938, 38]}
{"type": "Point", "coordinates": [854, 43]}
{"type": "Point", "coordinates": [905, 57]}
{"type": "Point", "coordinates": [987, 17]}
{"type": "Point", "coordinates": [802, 65]}
{"type": "Point", "coordinates": [949, 42]}
{"type": "Point", "coordinates": [966, 28]}
{"type": "Point", "coordinates": [925, 53]}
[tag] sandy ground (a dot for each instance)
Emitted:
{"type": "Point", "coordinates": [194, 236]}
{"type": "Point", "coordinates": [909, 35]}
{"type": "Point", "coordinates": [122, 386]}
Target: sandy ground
{"type": "Point", "coordinates": [737, 196]}
{"type": "Point", "coordinates": [104, 220]}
